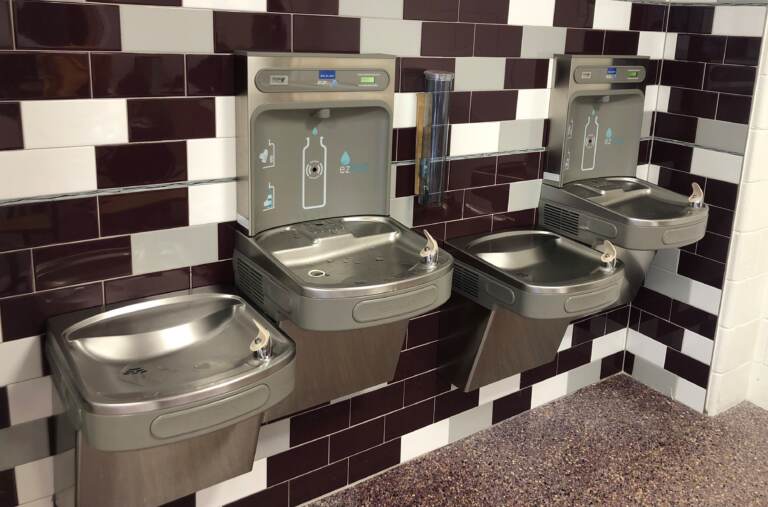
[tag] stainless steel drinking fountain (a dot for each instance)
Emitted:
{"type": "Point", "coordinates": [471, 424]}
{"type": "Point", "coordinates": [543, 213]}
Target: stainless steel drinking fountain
{"type": "Point", "coordinates": [591, 192]}
{"type": "Point", "coordinates": [166, 395]}
{"type": "Point", "coordinates": [317, 251]}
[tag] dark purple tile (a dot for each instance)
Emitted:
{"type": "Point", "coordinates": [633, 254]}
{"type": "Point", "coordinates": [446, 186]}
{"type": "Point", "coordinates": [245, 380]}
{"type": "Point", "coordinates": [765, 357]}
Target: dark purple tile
{"type": "Point", "coordinates": [621, 43]}
{"type": "Point", "coordinates": [54, 25]}
{"type": "Point", "coordinates": [357, 439]}
{"type": "Point", "coordinates": [26, 75]}
{"type": "Point", "coordinates": [693, 319]}
{"type": "Point", "coordinates": [485, 11]}
{"type": "Point", "coordinates": [253, 32]}
{"type": "Point", "coordinates": [713, 246]}
{"type": "Point", "coordinates": [661, 330]}
{"type": "Point", "coordinates": [481, 201]}
{"type": "Point", "coordinates": [416, 360]}
{"type": "Point", "coordinates": [458, 108]}
{"type": "Point", "coordinates": [213, 273]}
{"type": "Point", "coordinates": [24, 316]}
{"type": "Point", "coordinates": [472, 172]}
{"type": "Point", "coordinates": [683, 74]}
{"type": "Point", "coordinates": [409, 419]}
{"type": "Point", "coordinates": [15, 273]}
{"type": "Point", "coordinates": [686, 367]}
{"type": "Point", "coordinates": [318, 423]}
{"type": "Point", "coordinates": [423, 329]}
{"type": "Point", "coordinates": [28, 225]}
{"type": "Point", "coordinates": [129, 165]}
{"type": "Point", "coordinates": [497, 40]}
{"type": "Point", "coordinates": [143, 211]}
{"type": "Point", "coordinates": [538, 374]}
{"type": "Point", "coordinates": [137, 75]}
{"type": "Point", "coordinates": [679, 182]}
{"type": "Point", "coordinates": [574, 357]}
{"type": "Point", "coordinates": [178, 118]}
{"type": "Point", "coordinates": [88, 261]}
{"type": "Point", "coordinates": [297, 461]}
{"type": "Point", "coordinates": [226, 240]}
{"type": "Point", "coordinates": [588, 329]}
{"type": "Point", "coordinates": [455, 402]}
{"type": "Point", "coordinates": [692, 102]}
{"type": "Point", "coordinates": [690, 19]}
{"type": "Point", "coordinates": [326, 34]}
{"type": "Point", "coordinates": [141, 286]}
{"type": "Point", "coordinates": [629, 363]}
{"type": "Point", "coordinates": [518, 167]}
{"type": "Point", "coordinates": [720, 221]}
{"type": "Point", "coordinates": [511, 405]}
{"type": "Point", "coordinates": [734, 108]}
{"type": "Point", "coordinates": [493, 106]}
{"type": "Point", "coordinates": [425, 386]}
{"type": "Point", "coordinates": [11, 136]}
{"type": "Point", "coordinates": [318, 483]}
{"type": "Point", "coordinates": [305, 6]}
{"type": "Point", "coordinates": [730, 79]}
{"type": "Point", "coordinates": [701, 269]}
{"type": "Point", "coordinates": [6, 33]}
{"type": "Point", "coordinates": [405, 180]}
{"type": "Point", "coordinates": [436, 230]}
{"type": "Point", "coordinates": [276, 496]}
{"type": "Point", "coordinates": [447, 39]}
{"type": "Point", "coordinates": [611, 365]}
{"type": "Point", "coordinates": [721, 194]}
{"type": "Point", "coordinates": [412, 72]}
{"type": "Point", "coordinates": [574, 13]}
{"type": "Point", "coordinates": [743, 50]}
{"type": "Point", "coordinates": [644, 152]}
{"type": "Point", "coordinates": [647, 18]}
{"type": "Point", "coordinates": [8, 488]}
{"type": "Point", "coordinates": [523, 73]}
{"type": "Point", "coordinates": [579, 42]}
{"type": "Point", "coordinates": [700, 48]}
{"type": "Point", "coordinates": [673, 156]}
{"type": "Point", "coordinates": [450, 209]}
{"type": "Point", "coordinates": [374, 460]}
{"type": "Point", "coordinates": [434, 10]}
{"type": "Point", "coordinates": [406, 144]}
{"type": "Point", "coordinates": [210, 75]}
{"type": "Point", "coordinates": [5, 421]}
{"type": "Point", "coordinates": [375, 403]}
{"type": "Point", "coordinates": [616, 319]}
{"type": "Point", "coordinates": [169, 3]}
{"type": "Point", "coordinates": [513, 220]}
{"type": "Point", "coordinates": [652, 302]}
{"type": "Point", "coordinates": [468, 227]}
{"type": "Point", "coordinates": [676, 127]}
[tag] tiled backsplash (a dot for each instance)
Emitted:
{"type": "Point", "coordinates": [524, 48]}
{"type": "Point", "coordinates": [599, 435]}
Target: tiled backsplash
{"type": "Point", "coordinates": [131, 107]}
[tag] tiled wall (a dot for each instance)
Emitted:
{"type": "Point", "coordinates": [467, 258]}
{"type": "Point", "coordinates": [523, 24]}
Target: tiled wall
{"type": "Point", "coordinates": [131, 107]}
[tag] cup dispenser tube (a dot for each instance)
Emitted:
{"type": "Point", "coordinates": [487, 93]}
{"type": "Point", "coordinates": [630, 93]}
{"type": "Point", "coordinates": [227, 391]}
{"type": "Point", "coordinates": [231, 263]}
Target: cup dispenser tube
{"type": "Point", "coordinates": [432, 137]}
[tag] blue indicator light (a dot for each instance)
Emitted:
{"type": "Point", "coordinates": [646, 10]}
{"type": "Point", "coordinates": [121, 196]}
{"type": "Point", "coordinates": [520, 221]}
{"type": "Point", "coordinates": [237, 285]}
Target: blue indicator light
{"type": "Point", "coordinates": [612, 70]}
{"type": "Point", "coordinates": [327, 74]}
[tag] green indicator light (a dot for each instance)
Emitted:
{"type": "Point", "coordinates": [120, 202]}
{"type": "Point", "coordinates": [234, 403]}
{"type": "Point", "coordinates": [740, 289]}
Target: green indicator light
{"type": "Point", "coordinates": [633, 74]}
{"type": "Point", "coordinates": [367, 79]}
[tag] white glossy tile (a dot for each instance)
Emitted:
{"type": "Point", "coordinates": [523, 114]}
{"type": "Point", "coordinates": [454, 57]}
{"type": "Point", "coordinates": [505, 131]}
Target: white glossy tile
{"type": "Point", "coordinates": [723, 136]}
{"type": "Point", "coordinates": [424, 440]}
{"type": "Point", "coordinates": [532, 104]}
{"type": "Point", "coordinates": [698, 347]}
{"type": "Point", "coordinates": [274, 438]}
{"type": "Point", "coordinates": [651, 44]}
{"type": "Point", "coordinates": [567, 341]}
{"type": "Point", "coordinates": [475, 73]}
{"type": "Point", "coordinates": [235, 488]}
{"type": "Point", "coordinates": [405, 110]}
{"type": "Point", "coordinates": [61, 123]}
{"type": "Point", "coordinates": [166, 29]}
{"type": "Point", "coordinates": [31, 173]}
{"type": "Point", "coordinates": [401, 209]}
{"type": "Point", "coordinates": [654, 376]}
{"type": "Point", "coordinates": [612, 15]}
{"type": "Point", "coordinates": [475, 138]}
{"type": "Point", "coordinates": [646, 348]}
{"type": "Point", "coordinates": [651, 98]}
{"type": "Point", "coordinates": [30, 400]}
{"type": "Point", "coordinates": [609, 344]}
{"type": "Point", "coordinates": [531, 12]}
{"type": "Point", "coordinates": [549, 390]}
{"type": "Point", "coordinates": [524, 195]}
{"type": "Point", "coordinates": [389, 36]}
{"type": "Point", "coordinates": [717, 165]}
{"type": "Point", "coordinates": [499, 389]}
{"type": "Point", "coordinates": [543, 42]}
{"type": "Point", "coordinates": [228, 5]}
{"type": "Point", "coordinates": [662, 95]}
{"type": "Point", "coordinates": [521, 135]}
{"type": "Point", "coordinates": [225, 117]}
{"type": "Point", "coordinates": [20, 360]}
{"type": "Point", "coordinates": [670, 46]}
{"type": "Point", "coordinates": [583, 376]}
{"type": "Point", "coordinates": [469, 422]}
{"type": "Point", "coordinates": [747, 21]}
{"type": "Point", "coordinates": [371, 8]}
{"type": "Point", "coordinates": [667, 259]}
{"type": "Point", "coordinates": [690, 394]}
{"type": "Point", "coordinates": [681, 288]}
{"type": "Point", "coordinates": [209, 159]}
{"type": "Point", "coordinates": [212, 203]}
{"type": "Point", "coordinates": [174, 248]}
{"type": "Point", "coordinates": [34, 480]}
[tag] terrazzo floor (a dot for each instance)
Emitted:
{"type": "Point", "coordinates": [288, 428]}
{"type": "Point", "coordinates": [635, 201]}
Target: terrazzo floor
{"type": "Point", "coordinates": [615, 443]}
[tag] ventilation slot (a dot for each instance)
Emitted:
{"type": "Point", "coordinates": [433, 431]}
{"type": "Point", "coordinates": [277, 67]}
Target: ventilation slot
{"type": "Point", "coordinates": [250, 281]}
{"type": "Point", "coordinates": [466, 281]}
{"type": "Point", "coordinates": [560, 220]}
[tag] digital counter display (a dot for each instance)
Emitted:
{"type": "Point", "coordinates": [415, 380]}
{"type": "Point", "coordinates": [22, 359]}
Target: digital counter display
{"type": "Point", "coordinates": [367, 80]}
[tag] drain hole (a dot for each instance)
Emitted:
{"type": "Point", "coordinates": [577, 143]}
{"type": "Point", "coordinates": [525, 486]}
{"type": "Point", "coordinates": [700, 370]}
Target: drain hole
{"type": "Point", "coordinates": [317, 273]}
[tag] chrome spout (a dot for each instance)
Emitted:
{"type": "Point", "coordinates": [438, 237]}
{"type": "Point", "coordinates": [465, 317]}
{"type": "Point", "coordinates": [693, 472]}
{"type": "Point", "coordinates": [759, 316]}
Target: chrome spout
{"type": "Point", "coordinates": [430, 251]}
{"type": "Point", "coordinates": [610, 254]}
{"type": "Point", "coordinates": [696, 200]}
{"type": "Point", "coordinates": [261, 345]}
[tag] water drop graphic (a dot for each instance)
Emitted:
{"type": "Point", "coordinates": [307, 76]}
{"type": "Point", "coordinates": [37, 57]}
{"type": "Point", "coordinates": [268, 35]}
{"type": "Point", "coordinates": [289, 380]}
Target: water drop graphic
{"type": "Point", "coordinates": [314, 131]}
{"type": "Point", "coordinates": [345, 158]}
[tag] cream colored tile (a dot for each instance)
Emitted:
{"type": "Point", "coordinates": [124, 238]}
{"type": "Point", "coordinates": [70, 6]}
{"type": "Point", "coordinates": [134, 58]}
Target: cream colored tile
{"type": "Point", "coordinates": [212, 203]}
{"type": "Point", "coordinates": [62, 123]}
{"type": "Point", "coordinates": [209, 159]}
{"type": "Point", "coordinates": [475, 138]}
{"type": "Point", "coordinates": [166, 29]}
{"type": "Point", "coordinates": [531, 12]}
{"type": "Point", "coordinates": [390, 36]}
{"type": "Point", "coordinates": [32, 173]}
{"type": "Point", "coordinates": [424, 440]}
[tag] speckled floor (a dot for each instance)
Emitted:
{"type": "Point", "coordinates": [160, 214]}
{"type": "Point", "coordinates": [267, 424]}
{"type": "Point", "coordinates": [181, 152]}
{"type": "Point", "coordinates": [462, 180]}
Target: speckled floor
{"type": "Point", "coordinates": [617, 443]}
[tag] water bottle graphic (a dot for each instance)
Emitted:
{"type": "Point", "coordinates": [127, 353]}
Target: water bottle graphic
{"type": "Point", "coordinates": [591, 135]}
{"type": "Point", "coordinates": [314, 160]}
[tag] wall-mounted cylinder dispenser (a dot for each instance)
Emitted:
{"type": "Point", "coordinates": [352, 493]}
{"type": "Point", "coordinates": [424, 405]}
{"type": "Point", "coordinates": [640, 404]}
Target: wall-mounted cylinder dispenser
{"type": "Point", "coordinates": [432, 137]}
